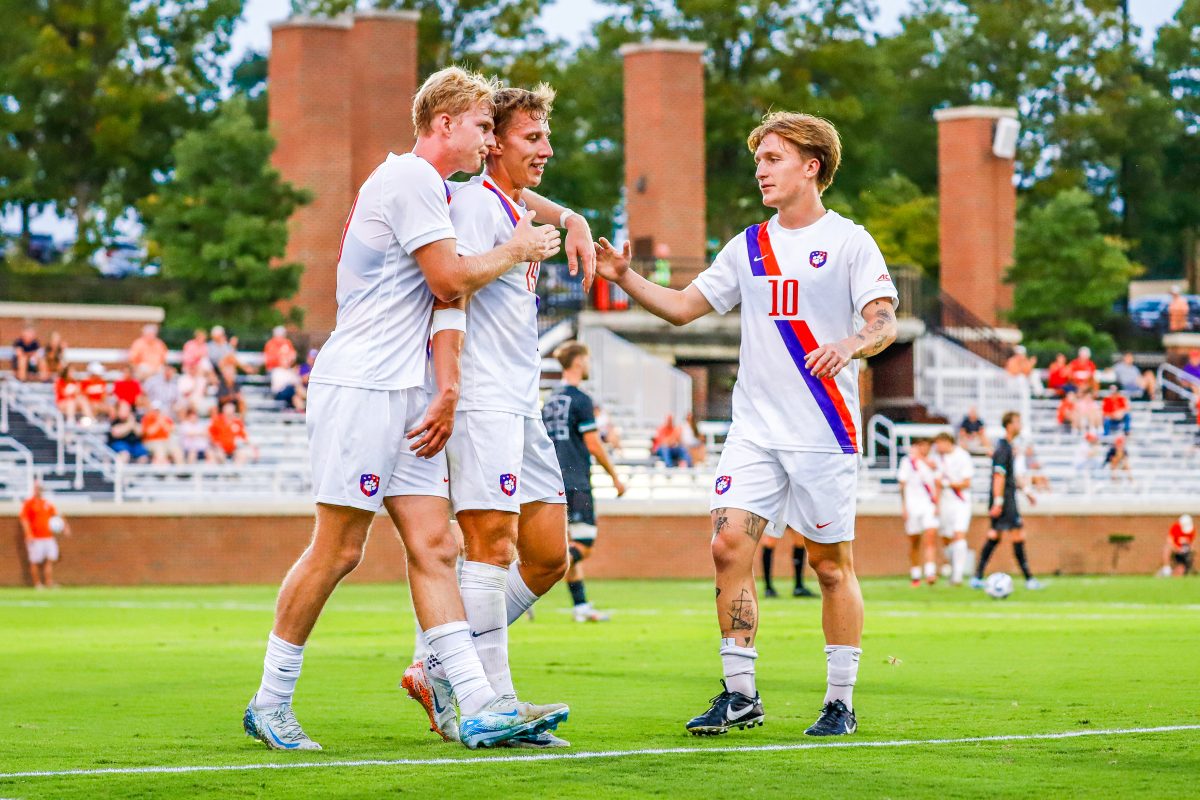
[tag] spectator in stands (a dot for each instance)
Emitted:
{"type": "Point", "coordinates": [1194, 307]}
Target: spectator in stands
{"type": "Point", "coordinates": [1135, 383]}
{"type": "Point", "coordinates": [972, 435]}
{"type": "Point", "coordinates": [193, 387]}
{"type": "Point", "coordinates": [1083, 370]}
{"type": "Point", "coordinates": [668, 444]}
{"type": "Point", "coordinates": [95, 389]}
{"type": "Point", "coordinates": [219, 347]}
{"type": "Point", "coordinates": [1177, 311]}
{"type": "Point", "coordinates": [696, 446]}
{"type": "Point", "coordinates": [1058, 377]}
{"type": "Point", "coordinates": [1022, 369]}
{"type": "Point", "coordinates": [1066, 412]}
{"type": "Point", "coordinates": [279, 350]}
{"type": "Point", "coordinates": [127, 388]}
{"type": "Point", "coordinates": [229, 438]}
{"type": "Point", "coordinates": [1088, 414]}
{"type": "Point", "coordinates": [1178, 555]}
{"type": "Point", "coordinates": [40, 523]}
{"type": "Point", "coordinates": [148, 353]}
{"type": "Point", "coordinates": [1117, 460]}
{"type": "Point", "coordinates": [125, 435]}
{"type": "Point", "coordinates": [162, 389]}
{"type": "Point", "coordinates": [1088, 456]}
{"type": "Point", "coordinates": [1037, 479]}
{"type": "Point", "coordinates": [55, 354]}
{"type": "Point", "coordinates": [1115, 410]}
{"type": "Point", "coordinates": [27, 356]}
{"type": "Point", "coordinates": [69, 397]}
{"type": "Point", "coordinates": [610, 432]}
{"type": "Point", "coordinates": [229, 388]}
{"type": "Point", "coordinates": [158, 435]}
{"type": "Point", "coordinates": [286, 385]}
{"type": "Point", "coordinates": [1192, 367]}
{"type": "Point", "coordinates": [195, 350]}
{"type": "Point", "coordinates": [193, 437]}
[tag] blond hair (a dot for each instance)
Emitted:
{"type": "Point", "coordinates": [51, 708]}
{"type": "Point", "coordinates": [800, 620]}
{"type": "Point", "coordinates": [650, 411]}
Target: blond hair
{"type": "Point", "coordinates": [813, 136]}
{"type": "Point", "coordinates": [568, 352]}
{"type": "Point", "coordinates": [452, 91]}
{"type": "Point", "coordinates": [507, 102]}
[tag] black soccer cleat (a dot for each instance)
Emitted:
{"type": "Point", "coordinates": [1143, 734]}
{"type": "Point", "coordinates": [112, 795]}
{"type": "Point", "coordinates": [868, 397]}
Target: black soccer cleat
{"type": "Point", "coordinates": [769, 591]}
{"type": "Point", "coordinates": [728, 710]}
{"type": "Point", "coordinates": [803, 591]}
{"type": "Point", "coordinates": [835, 720]}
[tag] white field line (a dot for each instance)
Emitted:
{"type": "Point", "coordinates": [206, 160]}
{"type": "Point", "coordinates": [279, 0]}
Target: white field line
{"type": "Point", "coordinates": [656, 751]}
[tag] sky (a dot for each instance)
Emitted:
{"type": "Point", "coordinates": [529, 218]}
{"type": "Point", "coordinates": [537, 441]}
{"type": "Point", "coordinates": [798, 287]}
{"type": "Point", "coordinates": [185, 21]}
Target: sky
{"type": "Point", "coordinates": [569, 19]}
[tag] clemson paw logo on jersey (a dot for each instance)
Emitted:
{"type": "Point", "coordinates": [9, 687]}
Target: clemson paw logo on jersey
{"type": "Point", "coordinates": [818, 258]}
{"type": "Point", "coordinates": [723, 484]}
{"type": "Point", "coordinates": [369, 484]}
{"type": "Point", "coordinates": [508, 484]}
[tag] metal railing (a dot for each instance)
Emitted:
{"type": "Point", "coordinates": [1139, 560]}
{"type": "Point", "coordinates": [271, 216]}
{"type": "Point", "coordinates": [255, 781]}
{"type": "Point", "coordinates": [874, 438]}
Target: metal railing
{"type": "Point", "coordinates": [950, 379]}
{"type": "Point", "coordinates": [150, 482]}
{"type": "Point", "coordinates": [625, 374]}
{"type": "Point", "coordinates": [1171, 378]}
{"type": "Point", "coordinates": [882, 431]}
{"type": "Point", "coordinates": [21, 455]}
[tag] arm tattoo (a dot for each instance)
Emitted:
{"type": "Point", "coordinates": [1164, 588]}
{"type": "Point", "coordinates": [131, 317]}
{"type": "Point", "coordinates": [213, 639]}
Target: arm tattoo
{"type": "Point", "coordinates": [741, 612]}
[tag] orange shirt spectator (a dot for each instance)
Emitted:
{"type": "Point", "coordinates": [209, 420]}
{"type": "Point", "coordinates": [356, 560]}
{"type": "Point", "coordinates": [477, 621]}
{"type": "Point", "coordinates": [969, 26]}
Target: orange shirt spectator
{"type": "Point", "coordinates": [1083, 369]}
{"type": "Point", "coordinates": [1058, 375]}
{"type": "Point", "coordinates": [226, 431]}
{"type": "Point", "coordinates": [95, 389]}
{"type": "Point", "coordinates": [1066, 411]}
{"type": "Point", "coordinates": [279, 350]}
{"type": "Point", "coordinates": [1115, 406]}
{"type": "Point", "coordinates": [1177, 311]}
{"type": "Point", "coordinates": [38, 511]}
{"type": "Point", "coordinates": [156, 426]}
{"type": "Point", "coordinates": [65, 388]}
{"type": "Point", "coordinates": [148, 353]}
{"type": "Point", "coordinates": [127, 388]}
{"type": "Point", "coordinates": [1181, 538]}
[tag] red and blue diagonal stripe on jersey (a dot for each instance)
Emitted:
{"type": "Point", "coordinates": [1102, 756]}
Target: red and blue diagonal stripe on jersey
{"type": "Point", "coordinates": [799, 341]}
{"type": "Point", "coordinates": [510, 208]}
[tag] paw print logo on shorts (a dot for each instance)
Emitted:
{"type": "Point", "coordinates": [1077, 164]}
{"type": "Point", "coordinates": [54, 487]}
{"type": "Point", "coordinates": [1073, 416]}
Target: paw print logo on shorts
{"type": "Point", "coordinates": [508, 484]}
{"type": "Point", "coordinates": [369, 484]}
{"type": "Point", "coordinates": [723, 484]}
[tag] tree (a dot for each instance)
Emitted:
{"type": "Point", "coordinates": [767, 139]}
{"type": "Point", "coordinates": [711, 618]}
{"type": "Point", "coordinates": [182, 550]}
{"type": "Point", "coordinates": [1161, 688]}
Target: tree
{"type": "Point", "coordinates": [1067, 275]}
{"type": "Point", "coordinates": [903, 221]}
{"type": "Point", "coordinates": [111, 85]}
{"type": "Point", "coordinates": [221, 221]}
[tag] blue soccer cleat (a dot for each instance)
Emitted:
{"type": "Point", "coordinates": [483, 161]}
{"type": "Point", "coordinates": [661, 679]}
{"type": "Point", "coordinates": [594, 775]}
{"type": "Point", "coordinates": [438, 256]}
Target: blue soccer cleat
{"type": "Point", "coordinates": [976, 583]}
{"type": "Point", "coordinates": [276, 727]}
{"type": "Point", "coordinates": [507, 718]}
{"type": "Point", "coordinates": [835, 720]}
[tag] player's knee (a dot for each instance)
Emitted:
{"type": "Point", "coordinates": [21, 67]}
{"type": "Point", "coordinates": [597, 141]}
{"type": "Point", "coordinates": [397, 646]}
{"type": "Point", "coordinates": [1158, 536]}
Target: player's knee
{"type": "Point", "coordinates": [347, 558]}
{"type": "Point", "coordinates": [832, 573]}
{"type": "Point", "coordinates": [730, 550]}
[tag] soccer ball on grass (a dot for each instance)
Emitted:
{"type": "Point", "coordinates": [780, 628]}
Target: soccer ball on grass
{"type": "Point", "coordinates": [998, 585]}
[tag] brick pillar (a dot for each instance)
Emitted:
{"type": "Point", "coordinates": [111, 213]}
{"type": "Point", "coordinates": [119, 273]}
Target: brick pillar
{"type": "Point", "coordinates": [309, 111]}
{"type": "Point", "coordinates": [383, 56]}
{"type": "Point", "coordinates": [978, 203]}
{"type": "Point", "coordinates": [664, 153]}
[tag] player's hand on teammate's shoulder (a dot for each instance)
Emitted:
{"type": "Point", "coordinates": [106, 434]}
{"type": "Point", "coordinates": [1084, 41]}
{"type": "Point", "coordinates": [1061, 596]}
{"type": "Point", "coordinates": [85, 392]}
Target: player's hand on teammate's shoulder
{"type": "Point", "coordinates": [828, 360]}
{"type": "Point", "coordinates": [535, 242]}
{"type": "Point", "coordinates": [580, 252]}
{"type": "Point", "coordinates": [434, 431]}
{"type": "Point", "coordinates": [612, 264]}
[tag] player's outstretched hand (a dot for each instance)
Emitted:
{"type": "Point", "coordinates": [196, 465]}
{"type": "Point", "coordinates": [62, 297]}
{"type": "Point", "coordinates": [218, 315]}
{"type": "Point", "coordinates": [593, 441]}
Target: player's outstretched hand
{"type": "Point", "coordinates": [612, 264]}
{"type": "Point", "coordinates": [434, 431]}
{"type": "Point", "coordinates": [827, 360]}
{"type": "Point", "coordinates": [579, 249]}
{"type": "Point", "coordinates": [535, 243]}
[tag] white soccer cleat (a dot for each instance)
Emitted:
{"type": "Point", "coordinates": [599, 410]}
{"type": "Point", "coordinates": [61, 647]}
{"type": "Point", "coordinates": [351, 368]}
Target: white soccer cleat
{"type": "Point", "coordinates": [540, 741]}
{"type": "Point", "coordinates": [1033, 584]}
{"type": "Point", "coordinates": [507, 718]}
{"type": "Point", "coordinates": [276, 727]}
{"type": "Point", "coordinates": [436, 696]}
{"type": "Point", "coordinates": [590, 614]}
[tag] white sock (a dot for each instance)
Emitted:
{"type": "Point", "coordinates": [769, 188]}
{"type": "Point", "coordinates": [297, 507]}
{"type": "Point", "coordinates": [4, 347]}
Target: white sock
{"type": "Point", "coordinates": [452, 645]}
{"type": "Point", "coordinates": [842, 668]}
{"type": "Point", "coordinates": [483, 598]}
{"type": "Point", "coordinates": [518, 597]}
{"type": "Point", "coordinates": [958, 559]}
{"type": "Point", "coordinates": [738, 663]}
{"type": "Point", "coordinates": [914, 573]}
{"type": "Point", "coordinates": [421, 651]}
{"type": "Point", "coordinates": [930, 569]}
{"type": "Point", "coordinates": [281, 670]}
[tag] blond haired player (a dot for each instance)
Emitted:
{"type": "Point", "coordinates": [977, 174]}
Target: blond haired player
{"type": "Point", "coordinates": [955, 472]}
{"type": "Point", "coordinates": [506, 488]}
{"type": "Point", "coordinates": [815, 295]}
{"type": "Point", "coordinates": [919, 507]}
{"type": "Point", "coordinates": [367, 404]}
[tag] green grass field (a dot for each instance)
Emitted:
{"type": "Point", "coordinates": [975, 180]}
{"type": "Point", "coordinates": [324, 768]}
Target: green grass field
{"type": "Point", "coordinates": [99, 679]}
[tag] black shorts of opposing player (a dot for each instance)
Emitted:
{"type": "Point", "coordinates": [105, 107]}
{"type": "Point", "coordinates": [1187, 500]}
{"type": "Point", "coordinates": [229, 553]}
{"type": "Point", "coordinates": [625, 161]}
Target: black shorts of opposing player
{"type": "Point", "coordinates": [581, 509]}
{"type": "Point", "coordinates": [1185, 558]}
{"type": "Point", "coordinates": [1009, 519]}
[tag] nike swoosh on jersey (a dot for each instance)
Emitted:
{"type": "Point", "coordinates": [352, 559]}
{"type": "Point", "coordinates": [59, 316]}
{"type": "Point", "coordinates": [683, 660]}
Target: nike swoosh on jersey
{"type": "Point", "coordinates": [760, 258]}
{"type": "Point", "coordinates": [826, 525]}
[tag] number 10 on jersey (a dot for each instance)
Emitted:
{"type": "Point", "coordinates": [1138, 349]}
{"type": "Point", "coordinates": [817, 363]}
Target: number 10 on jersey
{"type": "Point", "coordinates": [785, 297]}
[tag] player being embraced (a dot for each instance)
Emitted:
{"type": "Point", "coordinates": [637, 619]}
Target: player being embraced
{"type": "Point", "coordinates": [802, 278]}
{"type": "Point", "coordinates": [919, 499]}
{"type": "Point", "coordinates": [506, 489]}
{"type": "Point", "coordinates": [368, 402]}
{"type": "Point", "coordinates": [955, 471]}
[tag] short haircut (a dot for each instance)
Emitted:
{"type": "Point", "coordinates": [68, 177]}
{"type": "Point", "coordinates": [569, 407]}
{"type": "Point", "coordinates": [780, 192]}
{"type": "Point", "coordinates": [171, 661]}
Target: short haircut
{"type": "Point", "coordinates": [509, 101]}
{"type": "Point", "coordinates": [944, 436]}
{"type": "Point", "coordinates": [451, 91]}
{"type": "Point", "coordinates": [813, 136]}
{"type": "Point", "coordinates": [1008, 417]}
{"type": "Point", "coordinates": [568, 352]}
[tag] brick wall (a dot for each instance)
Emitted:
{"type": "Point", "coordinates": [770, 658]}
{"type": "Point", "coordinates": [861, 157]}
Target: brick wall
{"type": "Point", "coordinates": [340, 99]}
{"type": "Point", "coordinates": [664, 148]}
{"type": "Point", "coordinates": [97, 326]}
{"type": "Point", "coordinates": [113, 549]}
{"type": "Point", "coordinates": [978, 204]}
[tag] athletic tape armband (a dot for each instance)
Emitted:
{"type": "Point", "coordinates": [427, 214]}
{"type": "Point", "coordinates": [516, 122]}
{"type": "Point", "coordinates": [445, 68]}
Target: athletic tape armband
{"type": "Point", "coordinates": [566, 215]}
{"type": "Point", "coordinates": [449, 319]}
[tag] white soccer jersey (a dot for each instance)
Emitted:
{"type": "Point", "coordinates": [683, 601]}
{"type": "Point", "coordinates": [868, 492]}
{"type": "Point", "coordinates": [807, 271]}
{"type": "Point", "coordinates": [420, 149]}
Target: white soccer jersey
{"type": "Point", "coordinates": [384, 304]}
{"type": "Point", "coordinates": [956, 467]}
{"type": "Point", "coordinates": [501, 366]}
{"type": "Point", "coordinates": [798, 289]}
{"type": "Point", "coordinates": [919, 481]}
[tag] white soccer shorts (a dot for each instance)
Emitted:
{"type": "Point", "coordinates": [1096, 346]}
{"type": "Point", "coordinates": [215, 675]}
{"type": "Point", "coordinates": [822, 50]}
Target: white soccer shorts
{"type": "Point", "coordinates": [814, 493]}
{"type": "Point", "coordinates": [922, 516]}
{"type": "Point", "coordinates": [42, 550]}
{"type": "Point", "coordinates": [358, 448]}
{"type": "Point", "coordinates": [500, 461]}
{"type": "Point", "coordinates": [955, 516]}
